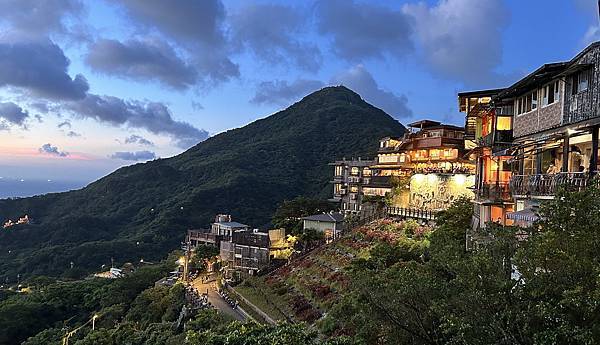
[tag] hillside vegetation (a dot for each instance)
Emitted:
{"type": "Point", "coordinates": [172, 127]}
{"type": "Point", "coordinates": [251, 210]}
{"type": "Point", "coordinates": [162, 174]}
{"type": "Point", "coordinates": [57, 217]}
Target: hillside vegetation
{"type": "Point", "coordinates": [142, 211]}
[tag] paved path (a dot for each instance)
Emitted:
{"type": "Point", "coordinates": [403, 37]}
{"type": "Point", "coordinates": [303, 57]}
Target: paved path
{"type": "Point", "coordinates": [216, 300]}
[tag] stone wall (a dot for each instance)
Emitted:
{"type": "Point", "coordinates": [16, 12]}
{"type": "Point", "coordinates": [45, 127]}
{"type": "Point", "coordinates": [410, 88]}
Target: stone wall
{"type": "Point", "coordinates": [541, 119]}
{"type": "Point", "coordinates": [587, 101]}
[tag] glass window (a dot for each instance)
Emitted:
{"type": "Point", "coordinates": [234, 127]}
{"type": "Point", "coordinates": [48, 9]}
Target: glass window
{"type": "Point", "coordinates": [583, 81]}
{"type": "Point", "coordinates": [503, 123]}
{"type": "Point", "coordinates": [354, 171]}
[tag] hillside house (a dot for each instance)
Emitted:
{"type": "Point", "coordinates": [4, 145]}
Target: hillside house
{"type": "Point", "coordinates": [330, 224]}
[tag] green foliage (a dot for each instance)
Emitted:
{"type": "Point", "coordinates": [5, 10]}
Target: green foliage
{"type": "Point", "coordinates": [526, 286]}
{"type": "Point", "coordinates": [71, 303]}
{"type": "Point", "coordinates": [143, 210]}
{"type": "Point", "coordinates": [157, 304]}
{"type": "Point", "coordinates": [201, 253]}
{"type": "Point", "coordinates": [289, 213]}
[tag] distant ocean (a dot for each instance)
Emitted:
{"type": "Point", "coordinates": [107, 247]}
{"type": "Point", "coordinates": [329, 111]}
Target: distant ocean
{"type": "Point", "coordinates": [10, 188]}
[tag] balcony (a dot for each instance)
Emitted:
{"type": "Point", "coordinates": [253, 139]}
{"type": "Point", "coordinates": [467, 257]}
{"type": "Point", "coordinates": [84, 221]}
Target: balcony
{"type": "Point", "coordinates": [498, 137]}
{"type": "Point", "coordinates": [494, 191]}
{"type": "Point", "coordinates": [546, 185]}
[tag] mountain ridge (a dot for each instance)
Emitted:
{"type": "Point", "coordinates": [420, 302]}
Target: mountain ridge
{"type": "Point", "coordinates": [143, 209]}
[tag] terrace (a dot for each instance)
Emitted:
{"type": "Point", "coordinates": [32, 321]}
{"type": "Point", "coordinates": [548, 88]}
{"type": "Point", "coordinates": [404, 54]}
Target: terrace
{"type": "Point", "coordinates": [546, 185]}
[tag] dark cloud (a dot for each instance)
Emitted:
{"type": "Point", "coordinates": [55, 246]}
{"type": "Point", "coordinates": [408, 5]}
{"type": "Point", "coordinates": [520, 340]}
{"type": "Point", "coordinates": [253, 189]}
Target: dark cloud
{"type": "Point", "coordinates": [52, 150]}
{"type": "Point", "coordinates": [38, 118]}
{"type": "Point", "coordinates": [458, 40]}
{"type": "Point", "coordinates": [41, 69]}
{"type": "Point", "coordinates": [152, 116]}
{"type": "Point", "coordinates": [360, 80]}
{"type": "Point", "coordinates": [363, 30]}
{"type": "Point", "coordinates": [134, 156]}
{"type": "Point", "coordinates": [65, 123]}
{"type": "Point", "coordinates": [35, 18]}
{"type": "Point", "coordinates": [271, 31]}
{"type": "Point", "coordinates": [196, 26]}
{"type": "Point", "coordinates": [73, 134]}
{"type": "Point", "coordinates": [281, 93]}
{"type": "Point", "coordinates": [142, 60]}
{"type": "Point", "coordinates": [12, 114]}
{"type": "Point", "coordinates": [136, 139]}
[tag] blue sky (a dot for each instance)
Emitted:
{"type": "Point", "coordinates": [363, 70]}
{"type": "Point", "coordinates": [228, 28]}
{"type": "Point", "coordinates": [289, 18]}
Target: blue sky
{"type": "Point", "coordinates": [148, 79]}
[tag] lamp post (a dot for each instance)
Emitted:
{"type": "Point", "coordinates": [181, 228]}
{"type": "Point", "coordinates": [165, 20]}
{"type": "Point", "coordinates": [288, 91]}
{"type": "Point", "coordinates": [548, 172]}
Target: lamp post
{"type": "Point", "coordinates": [94, 321]}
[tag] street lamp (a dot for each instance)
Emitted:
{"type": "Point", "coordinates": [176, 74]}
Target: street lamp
{"type": "Point", "coordinates": [94, 321]}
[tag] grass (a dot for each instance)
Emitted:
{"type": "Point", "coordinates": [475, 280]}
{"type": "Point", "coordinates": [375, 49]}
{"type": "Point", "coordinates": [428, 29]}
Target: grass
{"type": "Point", "coordinates": [264, 298]}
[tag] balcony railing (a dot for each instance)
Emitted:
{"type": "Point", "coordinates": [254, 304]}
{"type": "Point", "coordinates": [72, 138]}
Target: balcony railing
{"type": "Point", "coordinates": [411, 213]}
{"type": "Point", "coordinates": [498, 137]}
{"type": "Point", "coordinates": [494, 191]}
{"type": "Point", "coordinates": [546, 184]}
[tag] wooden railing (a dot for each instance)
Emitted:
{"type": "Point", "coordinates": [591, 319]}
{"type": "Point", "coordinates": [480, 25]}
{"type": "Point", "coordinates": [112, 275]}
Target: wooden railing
{"type": "Point", "coordinates": [411, 213]}
{"type": "Point", "coordinates": [494, 191]}
{"type": "Point", "coordinates": [546, 184]}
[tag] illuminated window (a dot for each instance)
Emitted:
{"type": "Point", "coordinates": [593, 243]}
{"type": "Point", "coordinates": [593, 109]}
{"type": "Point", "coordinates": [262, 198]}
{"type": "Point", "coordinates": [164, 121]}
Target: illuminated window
{"type": "Point", "coordinates": [337, 188]}
{"type": "Point", "coordinates": [339, 170]}
{"type": "Point", "coordinates": [435, 154]}
{"type": "Point", "coordinates": [354, 189]}
{"type": "Point", "coordinates": [354, 171]}
{"type": "Point", "coordinates": [503, 123]}
{"type": "Point", "coordinates": [388, 158]}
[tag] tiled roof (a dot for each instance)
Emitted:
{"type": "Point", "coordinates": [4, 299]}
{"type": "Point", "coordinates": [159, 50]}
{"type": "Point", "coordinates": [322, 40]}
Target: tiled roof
{"type": "Point", "coordinates": [326, 217]}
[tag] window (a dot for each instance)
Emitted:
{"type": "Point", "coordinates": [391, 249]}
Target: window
{"type": "Point", "coordinates": [583, 80]}
{"type": "Point", "coordinates": [550, 93]}
{"type": "Point", "coordinates": [354, 189]}
{"type": "Point", "coordinates": [339, 170]}
{"type": "Point", "coordinates": [354, 171]}
{"type": "Point", "coordinates": [503, 123]}
{"type": "Point", "coordinates": [526, 103]}
{"type": "Point", "coordinates": [580, 81]}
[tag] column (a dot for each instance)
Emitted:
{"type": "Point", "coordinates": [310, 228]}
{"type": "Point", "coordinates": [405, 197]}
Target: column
{"type": "Point", "coordinates": [594, 156]}
{"type": "Point", "coordinates": [565, 157]}
{"type": "Point", "coordinates": [538, 162]}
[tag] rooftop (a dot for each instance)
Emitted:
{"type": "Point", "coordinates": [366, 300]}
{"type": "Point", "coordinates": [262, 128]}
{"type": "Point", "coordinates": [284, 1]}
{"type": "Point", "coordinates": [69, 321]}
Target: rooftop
{"type": "Point", "coordinates": [232, 224]}
{"type": "Point", "coordinates": [326, 217]}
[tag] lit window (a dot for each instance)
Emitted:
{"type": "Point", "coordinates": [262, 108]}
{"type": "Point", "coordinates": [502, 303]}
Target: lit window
{"type": "Point", "coordinates": [354, 189]}
{"type": "Point", "coordinates": [503, 123]}
{"type": "Point", "coordinates": [354, 171]}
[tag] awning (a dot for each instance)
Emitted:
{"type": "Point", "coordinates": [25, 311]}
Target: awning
{"type": "Point", "coordinates": [527, 215]}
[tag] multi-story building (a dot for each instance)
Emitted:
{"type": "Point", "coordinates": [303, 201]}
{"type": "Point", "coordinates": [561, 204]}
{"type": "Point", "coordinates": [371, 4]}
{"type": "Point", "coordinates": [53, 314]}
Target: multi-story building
{"type": "Point", "coordinates": [488, 133]}
{"type": "Point", "coordinates": [348, 180]}
{"type": "Point", "coordinates": [426, 169]}
{"type": "Point", "coordinates": [556, 121]}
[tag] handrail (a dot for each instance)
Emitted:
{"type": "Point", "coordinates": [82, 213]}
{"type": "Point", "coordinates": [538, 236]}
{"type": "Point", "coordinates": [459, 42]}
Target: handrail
{"type": "Point", "coordinates": [547, 184]}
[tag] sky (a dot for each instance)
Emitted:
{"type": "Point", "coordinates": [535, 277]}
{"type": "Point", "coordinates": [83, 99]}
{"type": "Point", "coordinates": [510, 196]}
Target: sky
{"type": "Point", "coordinates": [90, 86]}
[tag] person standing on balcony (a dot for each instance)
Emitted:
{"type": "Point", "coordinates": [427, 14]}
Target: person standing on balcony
{"type": "Point", "coordinates": [552, 169]}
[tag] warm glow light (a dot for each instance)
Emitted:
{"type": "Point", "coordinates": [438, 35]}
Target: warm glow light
{"type": "Point", "coordinates": [460, 179]}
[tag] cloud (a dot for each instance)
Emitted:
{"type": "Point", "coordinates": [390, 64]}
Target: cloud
{"type": "Point", "coordinates": [591, 35]}
{"type": "Point", "coordinates": [40, 106]}
{"type": "Point", "coordinates": [281, 93]}
{"type": "Point", "coordinates": [39, 68]}
{"type": "Point", "coordinates": [133, 139]}
{"type": "Point", "coordinates": [65, 123]}
{"type": "Point", "coordinates": [271, 32]}
{"type": "Point", "coordinates": [364, 30]}
{"type": "Point", "coordinates": [197, 105]}
{"type": "Point", "coordinates": [48, 149]}
{"type": "Point", "coordinates": [462, 39]}
{"type": "Point", "coordinates": [361, 81]}
{"type": "Point", "coordinates": [142, 60]}
{"type": "Point", "coordinates": [197, 26]}
{"type": "Point", "coordinates": [34, 18]}
{"type": "Point", "coordinates": [12, 114]}
{"type": "Point", "coordinates": [134, 156]}
{"type": "Point", "coordinates": [152, 116]}
{"type": "Point", "coordinates": [73, 134]}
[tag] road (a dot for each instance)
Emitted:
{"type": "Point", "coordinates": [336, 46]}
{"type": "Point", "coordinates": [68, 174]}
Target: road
{"type": "Point", "coordinates": [216, 300]}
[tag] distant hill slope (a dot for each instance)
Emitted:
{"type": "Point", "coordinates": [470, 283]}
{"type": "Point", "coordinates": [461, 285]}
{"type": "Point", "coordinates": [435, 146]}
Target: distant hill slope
{"type": "Point", "coordinates": [142, 211]}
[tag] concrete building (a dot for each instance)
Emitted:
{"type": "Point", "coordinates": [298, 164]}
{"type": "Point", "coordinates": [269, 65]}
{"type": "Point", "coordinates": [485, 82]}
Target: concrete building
{"type": "Point", "coordinates": [330, 224]}
{"type": "Point", "coordinates": [348, 180]}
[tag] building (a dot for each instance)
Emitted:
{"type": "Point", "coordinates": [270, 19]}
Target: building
{"type": "Point", "coordinates": [220, 230]}
{"type": "Point", "coordinates": [330, 224]}
{"type": "Point", "coordinates": [488, 135]}
{"type": "Point", "coordinates": [426, 169]}
{"type": "Point", "coordinates": [248, 251]}
{"type": "Point", "coordinates": [556, 121]}
{"type": "Point", "coordinates": [348, 180]}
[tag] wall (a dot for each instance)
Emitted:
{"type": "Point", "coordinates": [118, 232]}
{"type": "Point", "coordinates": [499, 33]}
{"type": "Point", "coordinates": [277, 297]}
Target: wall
{"type": "Point", "coordinates": [587, 101]}
{"type": "Point", "coordinates": [541, 119]}
{"type": "Point", "coordinates": [435, 191]}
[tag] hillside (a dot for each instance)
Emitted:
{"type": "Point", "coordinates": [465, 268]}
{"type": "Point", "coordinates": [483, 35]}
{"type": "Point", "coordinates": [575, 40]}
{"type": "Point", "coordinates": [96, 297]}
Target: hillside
{"type": "Point", "coordinates": [141, 211]}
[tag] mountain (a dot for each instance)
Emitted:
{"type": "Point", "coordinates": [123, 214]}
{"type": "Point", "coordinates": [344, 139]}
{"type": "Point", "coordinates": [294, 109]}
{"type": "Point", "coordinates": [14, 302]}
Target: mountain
{"type": "Point", "coordinates": [142, 211]}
